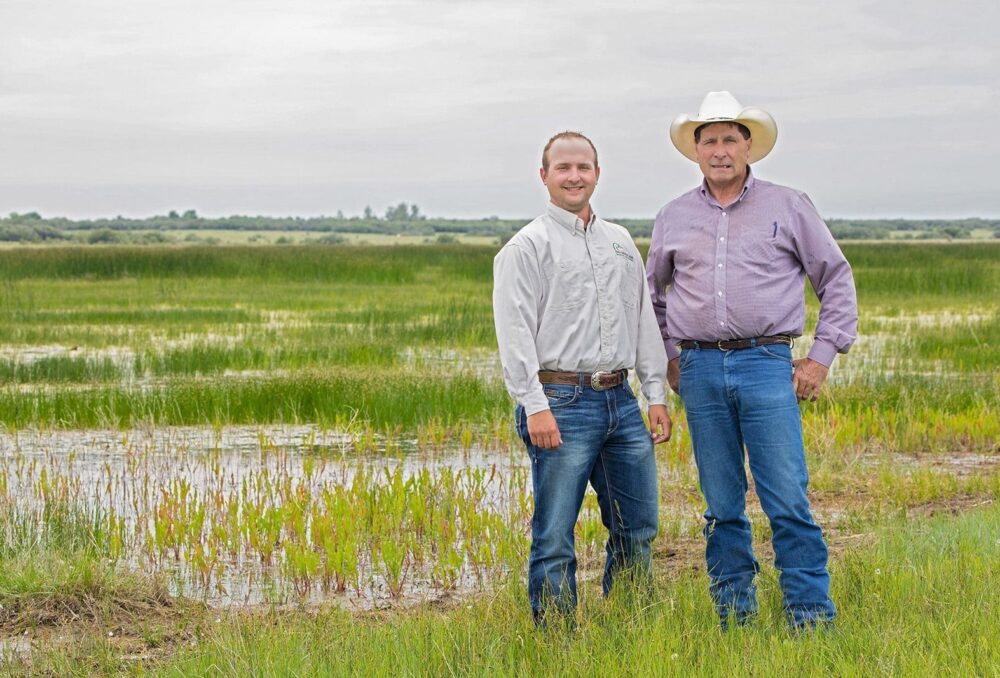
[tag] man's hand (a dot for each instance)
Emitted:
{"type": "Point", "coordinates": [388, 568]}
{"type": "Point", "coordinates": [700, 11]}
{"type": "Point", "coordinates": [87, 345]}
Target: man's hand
{"type": "Point", "coordinates": [674, 374]}
{"type": "Point", "coordinates": [543, 430]}
{"type": "Point", "coordinates": [659, 424]}
{"type": "Point", "coordinates": [808, 378]}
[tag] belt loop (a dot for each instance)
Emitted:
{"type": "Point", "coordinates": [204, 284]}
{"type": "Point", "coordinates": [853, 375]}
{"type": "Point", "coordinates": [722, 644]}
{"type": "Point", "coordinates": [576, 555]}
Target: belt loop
{"type": "Point", "coordinates": [581, 380]}
{"type": "Point", "coordinates": [753, 342]}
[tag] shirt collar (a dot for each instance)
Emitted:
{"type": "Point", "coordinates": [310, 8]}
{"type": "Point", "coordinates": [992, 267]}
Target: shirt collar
{"type": "Point", "coordinates": [747, 185]}
{"type": "Point", "coordinates": [568, 220]}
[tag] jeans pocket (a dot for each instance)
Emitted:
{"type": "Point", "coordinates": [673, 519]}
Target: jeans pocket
{"type": "Point", "coordinates": [778, 351]}
{"type": "Point", "coordinates": [561, 395]}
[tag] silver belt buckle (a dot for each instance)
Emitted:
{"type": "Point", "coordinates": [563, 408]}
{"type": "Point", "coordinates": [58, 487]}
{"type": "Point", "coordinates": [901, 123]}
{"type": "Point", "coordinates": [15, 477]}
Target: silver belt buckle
{"type": "Point", "coordinates": [596, 377]}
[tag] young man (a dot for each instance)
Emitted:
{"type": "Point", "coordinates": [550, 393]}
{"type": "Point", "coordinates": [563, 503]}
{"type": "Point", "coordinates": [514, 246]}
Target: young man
{"type": "Point", "coordinates": [573, 315]}
{"type": "Point", "coordinates": [727, 268]}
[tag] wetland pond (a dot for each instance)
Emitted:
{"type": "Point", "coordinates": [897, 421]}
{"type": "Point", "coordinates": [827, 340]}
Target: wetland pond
{"type": "Point", "coordinates": [244, 515]}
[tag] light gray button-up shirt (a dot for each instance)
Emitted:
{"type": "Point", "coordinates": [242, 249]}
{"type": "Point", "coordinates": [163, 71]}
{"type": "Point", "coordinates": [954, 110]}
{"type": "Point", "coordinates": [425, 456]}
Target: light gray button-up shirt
{"type": "Point", "coordinates": [572, 298]}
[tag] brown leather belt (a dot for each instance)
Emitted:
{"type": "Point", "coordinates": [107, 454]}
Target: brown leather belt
{"type": "Point", "coordinates": [599, 380]}
{"type": "Point", "coordinates": [736, 344]}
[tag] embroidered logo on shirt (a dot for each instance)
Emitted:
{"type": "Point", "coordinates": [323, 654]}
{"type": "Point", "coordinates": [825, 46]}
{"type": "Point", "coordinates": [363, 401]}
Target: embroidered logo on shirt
{"type": "Point", "coordinates": [620, 251]}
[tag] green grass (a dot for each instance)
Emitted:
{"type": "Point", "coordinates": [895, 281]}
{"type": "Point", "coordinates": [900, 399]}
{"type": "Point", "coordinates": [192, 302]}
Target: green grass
{"type": "Point", "coordinates": [916, 596]}
{"type": "Point", "coordinates": [395, 347]}
{"type": "Point", "coordinates": [59, 369]}
{"type": "Point", "coordinates": [397, 265]}
{"type": "Point", "coordinates": [923, 600]}
{"type": "Point", "coordinates": [405, 336]}
{"type": "Point", "coordinates": [912, 270]}
{"type": "Point", "coordinates": [383, 399]}
{"type": "Point", "coordinates": [972, 345]}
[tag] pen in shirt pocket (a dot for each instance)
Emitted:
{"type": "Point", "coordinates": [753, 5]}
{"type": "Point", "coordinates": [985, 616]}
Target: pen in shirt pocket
{"type": "Point", "coordinates": [775, 232]}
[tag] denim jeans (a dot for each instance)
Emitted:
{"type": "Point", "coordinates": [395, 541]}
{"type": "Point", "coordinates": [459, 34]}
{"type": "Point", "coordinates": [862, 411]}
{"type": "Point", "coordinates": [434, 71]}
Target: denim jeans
{"type": "Point", "coordinates": [605, 443]}
{"type": "Point", "coordinates": [744, 398]}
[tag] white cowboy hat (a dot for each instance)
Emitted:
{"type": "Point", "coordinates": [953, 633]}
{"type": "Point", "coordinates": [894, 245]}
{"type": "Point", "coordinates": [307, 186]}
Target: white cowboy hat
{"type": "Point", "coordinates": [723, 107]}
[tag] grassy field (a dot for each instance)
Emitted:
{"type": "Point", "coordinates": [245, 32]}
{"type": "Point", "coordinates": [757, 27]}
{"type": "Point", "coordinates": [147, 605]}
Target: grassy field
{"type": "Point", "coordinates": [285, 460]}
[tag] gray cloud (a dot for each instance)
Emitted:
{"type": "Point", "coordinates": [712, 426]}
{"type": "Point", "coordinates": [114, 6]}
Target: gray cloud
{"type": "Point", "coordinates": [307, 107]}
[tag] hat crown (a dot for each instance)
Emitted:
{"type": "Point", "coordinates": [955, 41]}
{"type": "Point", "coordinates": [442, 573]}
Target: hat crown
{"type": "Point", "coordinates": [719, 106]}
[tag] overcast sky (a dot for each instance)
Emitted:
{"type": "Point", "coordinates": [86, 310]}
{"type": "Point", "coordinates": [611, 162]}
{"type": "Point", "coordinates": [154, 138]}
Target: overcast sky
{"type": "Point", "coordinates": [306, 107]}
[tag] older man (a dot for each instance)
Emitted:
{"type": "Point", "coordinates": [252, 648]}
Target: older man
{"type": "Point", "coordinates": [573, 315]}
{"type": "Point", "coordinates": [726, 272]}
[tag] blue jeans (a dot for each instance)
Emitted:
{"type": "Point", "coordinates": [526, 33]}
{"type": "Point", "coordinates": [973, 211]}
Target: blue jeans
{"type": "Point", "coordinates": [744, 398]}
{"type": "Point", "coordinates": [605, 443]}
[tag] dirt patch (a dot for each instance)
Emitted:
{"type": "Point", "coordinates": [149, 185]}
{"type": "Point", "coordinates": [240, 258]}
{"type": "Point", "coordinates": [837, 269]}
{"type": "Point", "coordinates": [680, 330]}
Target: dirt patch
{"type": "Point", "coordinates": [143, 627]}
{"type": "Point", "coordinates": [21, 612]}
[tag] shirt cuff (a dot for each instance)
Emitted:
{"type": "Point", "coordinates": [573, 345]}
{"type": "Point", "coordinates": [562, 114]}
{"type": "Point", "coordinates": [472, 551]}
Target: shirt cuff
{"type": "Point", "coordinates": [535, 402]}
{"type": "Point", "coordinates": [823, 352]}
{"type": "Point", "coordinates": [657, 400]}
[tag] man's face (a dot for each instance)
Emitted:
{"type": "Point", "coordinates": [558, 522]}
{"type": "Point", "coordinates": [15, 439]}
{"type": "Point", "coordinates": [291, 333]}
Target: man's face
{"type": "Point", "coordinates": [572, 175]}
{"type": "Point", "coordinates": [723, 154]}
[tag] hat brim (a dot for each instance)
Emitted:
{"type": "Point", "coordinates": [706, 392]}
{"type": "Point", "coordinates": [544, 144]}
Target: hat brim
{"type": "Point", "coordinates": [763, 131]}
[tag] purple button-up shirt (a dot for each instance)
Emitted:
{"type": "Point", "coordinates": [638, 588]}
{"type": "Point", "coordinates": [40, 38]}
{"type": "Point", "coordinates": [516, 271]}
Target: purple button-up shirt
{"type": "Point", "coordinates": [739, 271]}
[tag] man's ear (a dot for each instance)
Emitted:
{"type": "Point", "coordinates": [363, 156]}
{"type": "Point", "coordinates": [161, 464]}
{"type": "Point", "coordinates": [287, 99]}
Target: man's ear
{"type": "Point", "coordinates": [542, 173]}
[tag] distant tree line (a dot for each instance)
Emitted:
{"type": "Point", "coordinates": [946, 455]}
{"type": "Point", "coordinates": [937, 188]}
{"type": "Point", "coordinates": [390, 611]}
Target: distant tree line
{"type": "Point", "coordinates": [918, 229]}
{"type": "Point", "coordinates": [404, 218]}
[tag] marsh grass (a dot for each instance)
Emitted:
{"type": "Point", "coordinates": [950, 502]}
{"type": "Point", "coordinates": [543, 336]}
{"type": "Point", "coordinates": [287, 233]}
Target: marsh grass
{"type": "Point", "coordinates": [360, 265]}
{"type": "Point", "coordinates": [60, 369]}
{"type": "Point", "coordinates": [901, 272]}
{"type": "Point", "coordinates": [924, 599]}
{"type": "Point", "coordinates": [384, 399]}
{"type": "Point", "coordinates": [917, 596]}
{"type": "Point", "coordinates": [64, 604]}
{"type": "Point", "coordinates": [404, 336]}
{"type": "Point", "coordinates": [395, 349]}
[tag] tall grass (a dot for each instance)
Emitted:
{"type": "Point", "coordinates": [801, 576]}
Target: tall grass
{"type": "Point", "coordinates": [397, 265]}
{"type": "Point", "coordinates": [381, 398]}
{"type": "Point", "coordinates": [59, 369]}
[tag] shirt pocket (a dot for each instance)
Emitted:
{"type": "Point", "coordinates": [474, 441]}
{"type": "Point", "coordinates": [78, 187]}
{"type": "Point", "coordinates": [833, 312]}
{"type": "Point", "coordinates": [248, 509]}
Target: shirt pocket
{"type": "Point", "coordinates": [627, 284]}
{"type": "Point", "coordinates": [759, 244]}
{"type": "Point", "coordinates": [571, 282]}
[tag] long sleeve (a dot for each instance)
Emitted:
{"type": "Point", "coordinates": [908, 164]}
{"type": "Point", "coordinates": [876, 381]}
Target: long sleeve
{"type": "Point", "coordinates": [659, 275]}
{"type": "Point", "coordinates": [832, 280]}
{"type": "Point", "coordinates": [516, 288]}
{"type": "Point", "coordinates": [650, 358]}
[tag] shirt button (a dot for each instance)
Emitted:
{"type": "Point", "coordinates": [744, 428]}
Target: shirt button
{"type": "Point", "coordinates": [723, 214]}
{"type": "Point", "coordinates": [721, 323]}
{"type": "Point", "coordinates": [722, 237]}
{"type": "Point", "coordinates": [720, 294]}
{"type": "Point", "coordinates": [720, 265]}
